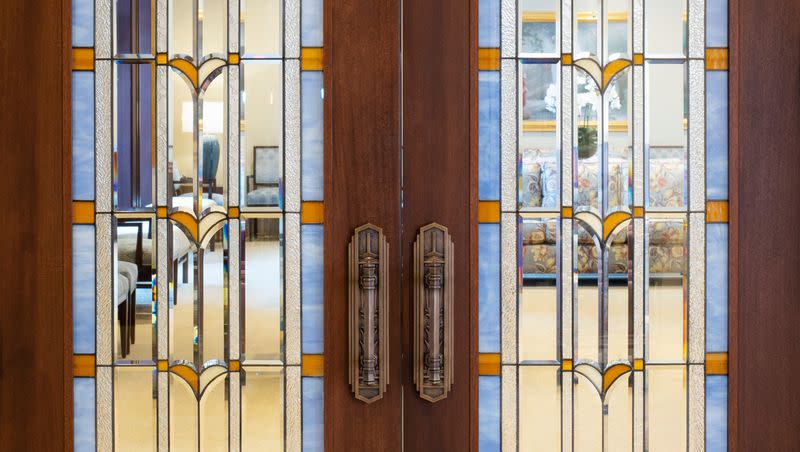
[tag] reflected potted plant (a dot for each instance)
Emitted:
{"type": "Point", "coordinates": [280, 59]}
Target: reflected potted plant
{"type": "Point", "coordinates": [586, 101]}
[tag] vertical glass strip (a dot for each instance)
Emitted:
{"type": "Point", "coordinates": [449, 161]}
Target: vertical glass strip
{"type": "Point", "coordinates": [509, 277]}
{"type": "Point", "coordinates": [638, 411]}
{"type": "Point", "coordinates": [488, 23]}
{"type": "Point", "coordinates": [717, 287]}
{"type": "Point", "coordinates": [717, 135]}
{"type": "Point", "coordinates": [163, 259]}
{"type": "Point", "coordinates": [697, 136]}
{"type": "Point", "coordinates": [104, 408]}
{"type": "Point", "coordinates": [313, 414]}
{"type": "Point", "coordinates": [697, 403]}
{"type": "Point", "coordinates": [264, 410]}
{"type": "Point", "coordinates": [489, 288]}
{"type": "Point", "coordinates": [234, 20]}
{"type": "Point", "coordinates": [163, 411]}
{"type": "Point", "coordinates": [508, 135]}
{"type": "Point", "coordinates": [566, 289]}
{"type": "Point", "coordinates": [83, 406]}
{"type": "Point", "coordinates": [311, 23]}
{"type": "Point", "coordinates": [567, 411]}
{"type": "Point", "coordinates": [292, 278]}
{"type": "Point", "coordinates": [292, 28]}
{"type": "Point", "coordinates": [103, 151]}
{"type": "Point", "coordinates": [83, 289]}
{"type": "Point", "coordinates": [311, 95]}
{"type": "Point", "coordinates": [105, 290]}
{"type": "Point", "coordinates": [135, 407]}
{"type": "Point", "coordinates": [638, 288]}
{"type": "Point", "coordinates": [82, 24]}
{"type": "Point", "coordinates": [294, 410]}
{"type": "Point", "coordinates": [292, 134]}
{"type": "Point", "coordinates": [697, 23]}
{"type": "Point", "coordinates": [697, 287]}
{"type": "Point", "coordinates": [234, 284]}
{"type": "Point", "coordinates": [102, 33]}
{"type": "Point", "coordinates": [638, 26]}
{"type": "Point", "coordinates": [82, 135]}
{"type": "Point", "coordinates": [508, 29]}
{"type": "Point", "coordinates": [716, 413]}
{"type": "Point", "coordinates": [162, 135]}
{"type": "Point", "coordinates": [566, 133]}
{"type": "Point", "coordinates": [566, 29]}
{"type": "Point", "coordinates": [235, 411]}
{"type": "Point", "coordinates": [507, 411]}
{"type": "Point", "coordinates": [162, 10]}
{"type": "Point", "coordinates": [638, 136]}
{"type": "Point", "coordinates": [312, 296]}
{"type": "Point", "coordinates": [489, 415]}
{"type": "Point", "coordinates": [717, 23]}
{"type": "Point", "coordinates": [488, 135]}
{"type": "Point", "coordinates": [234, 136]}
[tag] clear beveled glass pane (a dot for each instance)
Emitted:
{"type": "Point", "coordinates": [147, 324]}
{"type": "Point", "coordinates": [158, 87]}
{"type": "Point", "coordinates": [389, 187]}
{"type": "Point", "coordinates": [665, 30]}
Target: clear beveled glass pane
{"type": "Point", "coordinates": [619, 308]}
{"type": "Point", "coordinates": [262, 408]}
{"type": "Point", "coordinates": [587, 109]}
{"type": "Point", "coordinates": [665, 405]}
{"type": "Point", "coordinates": [212, 153]}
{"type": "Point", "coordinates": [183, 281]}
{"type": "Point", "coordinates": [587, 263]}
{"type": "Point", "coordinates": [540, 103]}
{"type": "Point", "coordinates": [213, 27]}
{"type": "Point", "coordinates": [213, 414]}
{"type": "Point", "coordinates": [183, 415]}
{"type": "Point", "coordinates": [587, 415]}
{"type": "Point", "coordinates": [665, 28]}
{"type": "Point", "coordinates": [587, 16]}
{"type": "Point", "coordinates": [618, 410]}
{"type": "Point", "coordinates": [212, 273]}
{"type": "Point", "coordinates": [617, 33]}
{"type": "Point", "coordinates": [135, 264]}
{"type": "Point", "coordinates": [261, 28]}
{"type": "Point", "coordinates": [540, 408]}
{"type": "Point", "coordinates": [262, 298]}
{"type": "Point", "coordinates": [539, 27]}
{"type": "Point", "coordinates": [261, 84]}
{"type": "Point", "coordinates": [617, 103]}
{"type": "Point", "coordinates": [538, 301]}
{"type": "Point", "coordinates": [134, 409]}
{"type": "Point", "coordinates": [133, 22]}
{"type": "Point", "coordinates": [182, 16]}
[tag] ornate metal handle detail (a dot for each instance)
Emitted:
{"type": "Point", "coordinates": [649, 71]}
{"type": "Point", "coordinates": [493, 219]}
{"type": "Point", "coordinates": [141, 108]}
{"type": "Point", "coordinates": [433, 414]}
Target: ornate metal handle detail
{"type": "Point", "coordinates": [433, 312]}
{"type": "Point", "coordinates": [369, 313]}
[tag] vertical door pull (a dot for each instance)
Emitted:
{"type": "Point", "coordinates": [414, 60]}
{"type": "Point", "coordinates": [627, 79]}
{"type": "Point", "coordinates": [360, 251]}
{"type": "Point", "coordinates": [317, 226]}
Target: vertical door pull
{"type": "Point", "coordinates": [369, 313]}
{"type": "Point", "coordinates": [433, 312]}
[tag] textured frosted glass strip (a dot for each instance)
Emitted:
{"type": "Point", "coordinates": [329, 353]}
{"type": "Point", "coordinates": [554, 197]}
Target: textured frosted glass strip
{"type": "Point", "coordinates": [102, 30]}
{"type": "Point", "coordinates": [508, 29]}
{"type": "Point", "coordinates": [292, 277]}
{"type": "Point", "coordinates": [697, 33]}
{"type": "Point", "coordinates": [294, 410]}
{"type": "Point", "coordinates": [717, 287]}
{"type": "Point", "coordinates": [697, 287]}
{"type": "Point", "coordinates": [566, 288]}
{"type": "Point", "coordinates": [291, 28]}
{"type": "Point", "coordinates": [105, 292]}
{"type": "Point", "coordinates": [566, 28]}
{"type": "Point", "coordinates": [508, 416]}
{"type": "Point", "coordinates": [717, 23]}
{"type": "Point", "coordinates": [102, 138]}
{"type": "Point", "coordinates": [508, 287]}
{"type": "Point", "coordinates": [162, 135]}
{"type": "Point", "coordinates": [311, 251]}
{"type": "Point", "coordinates": [234, 259]}
{"type": "Point", "coordinates": [566, 411]}
{"type": "Point", "coordinates": [697, 402]}
{"type": "Point", "coordinates": [716, 413]}
{"type": "Point", "coordinates": [638, 26]}
{"type": "Point", "coordinates": [161, 25]}
{"type": "Point", "coordinates": [566, 134]}
{"type": "Point", "coordinates": [82, 25]}
{"type": "Point", "coordinates": [83, 288]}
{"type": "Point", "coordinates": [697, 136]}
{"type": "Point", "coordinates": [292, 130]}
{"type": "Point", "coordinates": [163, 411]}
{"type": "Point", "coordinates": [638, 411]}
{"type": "Point", "coordinates": [104, 410]}
{"type": "Point", "coordinates": [234, 413]}
{"type": "Point", "coordinates": [162, 291]}
{"type": "Point", "coordinates": [234, 134]}
{"type": "Point", "coordinates": [638, 288]}
{"type": "Point", "coordinates": [83, 406]}
{"type": "Point", "coordinates": [313, 414]}
{"type": "Point", "coordinates": [508, 135]}
{"type": "Point", "coordinates": [312, 137]}
{"type": "Point", "coordinates": [83, 135]}
{"type": "Point", "coordinates": [233, 26]}
{"type": "Point", "coordinates": [638, 136]}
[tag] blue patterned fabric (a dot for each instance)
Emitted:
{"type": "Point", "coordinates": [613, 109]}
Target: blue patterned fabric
{"type": "Point", "coordinates": [268, 196]}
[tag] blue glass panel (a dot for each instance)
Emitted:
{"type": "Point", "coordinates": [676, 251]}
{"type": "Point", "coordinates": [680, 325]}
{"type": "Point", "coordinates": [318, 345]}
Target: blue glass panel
{"type": "Point", "coordinates": [489, 288]}
{"type": "Point", "coordinates": [489, 135]}
{"type": "Point", "coordinates": [83, 412]}
{"type": "Point", "coordinates": [717, 23]}
{"type": "Point", "coordinates": [488, 23]}
{"type": "Point", "coordinates": [488, 414]}
{"type": "Point", "coordinates": [717, 134]}
{"type": "Point", "coordinates": [313, 414]}
{"type": "Point", "coordinates": [83, 136]}
{"type": "Point", "coordinates": [311, 23]}
{"type": "Point", "coordinates": [311, 98]}
{"type": "Point", "coordinates": [717, 287]}
{"type": "Point", "coordinates": [311, 236]}
{"type": "Point", "coordinates": [83, 288]}
{"type": "Point", "coordinates": [716, 413]}
{"type": "Point", "coordinates": [82, 23]}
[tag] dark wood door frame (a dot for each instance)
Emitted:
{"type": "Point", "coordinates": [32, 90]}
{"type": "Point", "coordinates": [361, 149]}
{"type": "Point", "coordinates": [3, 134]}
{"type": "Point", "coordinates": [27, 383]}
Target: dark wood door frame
{"type": "Point", "coordinates": [362, 47]}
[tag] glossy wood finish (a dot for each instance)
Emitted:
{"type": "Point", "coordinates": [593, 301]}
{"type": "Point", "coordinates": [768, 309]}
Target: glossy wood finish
{"type": "Point", "coordinates": [438, 174]}
{"type": "Point", "coordinates": [765, 226]}
{"type": "Point", "coordinates": [35, 310]}
{"type": "Point", "coordinates": [362, 184]}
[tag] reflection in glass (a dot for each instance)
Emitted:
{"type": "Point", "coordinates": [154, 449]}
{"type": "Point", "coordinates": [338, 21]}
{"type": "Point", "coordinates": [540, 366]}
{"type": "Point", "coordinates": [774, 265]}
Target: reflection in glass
{"type": "Point", "coordinates": [665, 408]}
{"type": "Point", "coordinates": [260, 28]}
{"type": "Point", "coordinates": [587, 111]}
{"type": "Point", "coordinates": [618, 141]}
{"type": "Point", "coordinates": [134, 409]}
{"type": "Point", "coordinates": [539, 27]}
{"type": "Point", "coordinates": [183, 253]}
{"type": "Point", "coordinates": [666, 298]}
{"type": "Point", "coordinates": [538, 301]}
{"type": "Point", "coordinates": [587, 264]}
{"type": "Point", "coordinates": [262, 261]}
{"type": "Point", "coordinates": [619, 311]}
{"type": "Point", "coordinates": [134, 27]}
{"type": "Point", "coordinates": [586, 14]}
{"type": "Point", "coordinates": [665, 25]}
{"type": "Point", "coordinates": [539, 178]}
{"type": "Point", "coordinates": [262, 408]}
{"type": "Point", "coordinates": [540, 408]}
